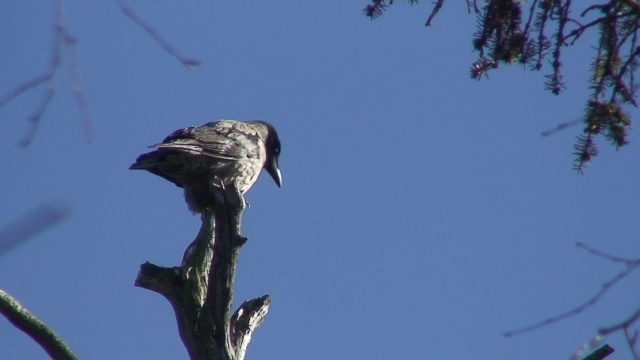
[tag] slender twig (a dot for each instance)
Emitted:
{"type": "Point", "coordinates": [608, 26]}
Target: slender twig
{"type": "Point", "coordinates": [630, 267]}
{"type": "Point", "coordinates": [36, 116]}
{"type": "Point", "coordinates": [126, 9]}
{"type": "Point", "coordinates": [435, 10]}
{"type": "Point", "coordinates": [532, 12]}
{"type": "Point", "coordinates": [76, 87]}
{"type": "Point", "coordinates": [602, 7]}
{"type": "Point", "coordinates": [605, 255]}
{"type": "Point", "coordinates": [625, 325]}
{"type": "Point", "coordinates": [20, 88]}
{"type": "Point", "coordinates": [632, 340]}
{"type": "Point", "coordinates": [621, 325]}
{"type": "Point", "coordinates": [61, 37]}
{"type": "Point", "coordinates": [619, 86]}
{"type": "Point", "coordinates": [36, 329]}
{"type": "Point", "coordinates": [577, 32]}
{"type": "Point", "coordinates": [472, 4]}
{"type": "Point", "coordinates": [48, 76]}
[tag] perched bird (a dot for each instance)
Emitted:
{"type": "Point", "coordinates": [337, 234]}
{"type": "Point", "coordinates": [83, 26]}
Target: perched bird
{"type": "Point", "coordinates": [227, 151]}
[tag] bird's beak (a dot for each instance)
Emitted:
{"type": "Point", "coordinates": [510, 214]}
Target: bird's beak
{"type": "Point", "coordinates": [274, 171]}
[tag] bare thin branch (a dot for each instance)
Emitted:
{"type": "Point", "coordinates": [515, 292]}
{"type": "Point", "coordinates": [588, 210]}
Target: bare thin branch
{"type": "Point", "coordinates": [435, 10]}
{"type": "Point", "coordinates": [126, 9]}
{"type": "Point", "coordinates": [76, 87]}
{"type": "Point", "coordinates": [49, 74]}
{"type": "Point", "coordinates": [532, 12]}
{"type": "Point", "coordinates": [36, 116]}
{"type": "Point", "coordinates": [577, 32]}
{"type": "Point", "coordinates": [630, 267]}
{"type": "Point", "coordinates": [621, 325]}
{"type": "Point", "coordinates": [36, 329]}
{"type": "Point", "coordinates": [472, 5]}
{"type": "Point", "coordinates": [603, 254]}
{"type": "Point", "coordinates": [61, 37]}
{"type": "Point", "coordinates": [632, 340]}
{"type": "Point", "coordinates": [20, 88]}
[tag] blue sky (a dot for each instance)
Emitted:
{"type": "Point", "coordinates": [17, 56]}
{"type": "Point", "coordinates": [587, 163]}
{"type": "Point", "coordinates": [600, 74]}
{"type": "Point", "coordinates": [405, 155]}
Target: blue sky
{"type": "Point", "coordinates": [422, 214]}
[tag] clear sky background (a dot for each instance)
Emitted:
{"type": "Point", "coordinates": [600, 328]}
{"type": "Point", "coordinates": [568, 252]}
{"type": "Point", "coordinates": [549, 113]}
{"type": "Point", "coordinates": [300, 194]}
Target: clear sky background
{"type": "Point", "coordinates": [422, 214]}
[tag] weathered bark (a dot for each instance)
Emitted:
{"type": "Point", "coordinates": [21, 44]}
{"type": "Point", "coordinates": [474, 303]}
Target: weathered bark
{"type": "Point", "coordinates": [201, 289]}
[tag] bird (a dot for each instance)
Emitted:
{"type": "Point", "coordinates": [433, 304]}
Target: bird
{"type": "Point", "coordinates": [221, 152]}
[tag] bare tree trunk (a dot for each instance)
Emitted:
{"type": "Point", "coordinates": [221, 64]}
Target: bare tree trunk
{"type": "Point", "coordinates": [201, 289]}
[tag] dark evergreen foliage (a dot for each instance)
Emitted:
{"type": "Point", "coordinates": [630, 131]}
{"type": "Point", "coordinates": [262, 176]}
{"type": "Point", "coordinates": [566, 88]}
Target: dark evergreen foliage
{"type": "Point", "coordinates": [550, 26]}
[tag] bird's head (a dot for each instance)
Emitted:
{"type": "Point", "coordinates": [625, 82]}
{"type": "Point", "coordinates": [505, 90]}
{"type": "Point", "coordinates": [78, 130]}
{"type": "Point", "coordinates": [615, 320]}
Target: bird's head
{"type": "Point", "coordinates": [272, 145]}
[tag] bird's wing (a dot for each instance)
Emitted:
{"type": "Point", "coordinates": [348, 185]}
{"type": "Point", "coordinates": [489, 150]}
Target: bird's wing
{"type": "Point", "coordinates": [221, 139]}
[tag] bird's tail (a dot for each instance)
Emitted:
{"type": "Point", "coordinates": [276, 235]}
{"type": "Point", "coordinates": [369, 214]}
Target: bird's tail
{"type": "Point", "coordinates": [146, 161]}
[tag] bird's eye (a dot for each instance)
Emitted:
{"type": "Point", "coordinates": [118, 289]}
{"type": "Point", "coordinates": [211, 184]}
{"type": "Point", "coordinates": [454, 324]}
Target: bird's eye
{"type": "Point", "coordinates": [276, 150]}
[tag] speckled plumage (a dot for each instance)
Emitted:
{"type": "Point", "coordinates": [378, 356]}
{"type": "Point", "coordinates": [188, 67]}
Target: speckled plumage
{"type": "Point", "coordinates": [230, 151]}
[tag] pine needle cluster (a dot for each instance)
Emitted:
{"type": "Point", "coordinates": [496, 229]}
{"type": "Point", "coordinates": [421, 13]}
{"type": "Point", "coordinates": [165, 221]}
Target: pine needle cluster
{"type": "Point", "coordinates": [503, 37]}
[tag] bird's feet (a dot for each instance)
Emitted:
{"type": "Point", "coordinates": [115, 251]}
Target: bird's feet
{"type": "Point", "coordinates": [227, 195]}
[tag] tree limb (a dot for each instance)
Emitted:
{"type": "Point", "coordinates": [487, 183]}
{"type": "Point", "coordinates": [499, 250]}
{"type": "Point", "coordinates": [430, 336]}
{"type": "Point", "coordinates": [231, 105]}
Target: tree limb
{"type": "Point", "coordinates": [36, 329]}
{"type": "Point", "coordinates": [201, 289]}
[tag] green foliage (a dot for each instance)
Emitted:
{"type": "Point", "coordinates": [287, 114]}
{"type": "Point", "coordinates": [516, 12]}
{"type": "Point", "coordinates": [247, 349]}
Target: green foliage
{"type": "Point", "coordinates": [503, 38]}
